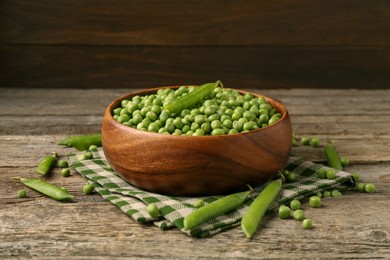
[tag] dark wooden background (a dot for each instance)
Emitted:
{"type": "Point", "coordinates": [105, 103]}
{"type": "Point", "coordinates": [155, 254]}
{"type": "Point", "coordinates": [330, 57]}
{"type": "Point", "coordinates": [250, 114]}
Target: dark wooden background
{"type": "Point", "coordinates": [149, 43]}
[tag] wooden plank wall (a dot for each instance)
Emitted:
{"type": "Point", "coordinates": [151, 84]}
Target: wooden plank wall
{"type": "Point", "coordinates": [148, 43]}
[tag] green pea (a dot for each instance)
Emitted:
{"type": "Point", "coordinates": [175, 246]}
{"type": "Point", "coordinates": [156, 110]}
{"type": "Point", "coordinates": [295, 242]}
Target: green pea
{"type": "Point", "coordinates": [22, 193]}
{"type": "Point", "coordinates": [233, 131]}
{"type": "Point", "coordinates": [216, 124]}
{"type": "Point", "coordinates": [336, 193]}
{"type": "Point", "coordinates": [295, 204]}
{"type": "Point", "coordinates": [153, 210]}
{"type": "Point", "coordinates": [153, 127]}
{"type": "Point", "coordinates": [178, 123]}
{"type": "Point", "coordinates": [307, 223]}
{"type": "Point", "coordinates": [331, 174]}
{"type": "Point", "coordinates": [264, 118]}
{"type": "Point", "coordinates": [344, 161]}
{"type": "Point", "coordinates": [206, 127]}
{"type": "Point", "coordinates": [217, 131]}
{"type": "Point", "coordinates": [63, 163]}
{"type": "Point", "coordinates": [326, 194]}
{"type": "Point", "coordinates": [315, 142]}
{"type": "Point", "coordinates": [360, 186]}
{"type": "Point", "coordinates": [65, 172]}
{"type": "Point", "coordinates": [151, 115]}
{"type": "Point", "coordinates": [194, 126]}
{"type": "Point", "coordinates": [236, 115]}
{"type": "Point", "coordinates": [199, 119]}
{"type": "Point", "coordinates": [370, 188]}
{"type": "Point", "coordinates": [298, 215]}
{"type": "Point", "coordinates": [227, 123]}
{"type": "Point", "coordinates": [315, 201]}
{"type": "Point", "coordinates": [87, 189]}
{"type": "Point", "coordinates": [291, 177]}
{"type": "Point", "coordinates": [284, 212]}
{"type": "Point", "coordinates": [199, 132]}
{"type": "Point", "coordinates": [144, 111]}
{"type": "Point", "coordinates": [305, 140]}
{"type": "Point", "coordinates": [321, 173]}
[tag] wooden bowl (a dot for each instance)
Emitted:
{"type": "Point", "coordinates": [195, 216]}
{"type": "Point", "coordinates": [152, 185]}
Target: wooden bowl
{"type": "Point", "coordinates": [196, 165]}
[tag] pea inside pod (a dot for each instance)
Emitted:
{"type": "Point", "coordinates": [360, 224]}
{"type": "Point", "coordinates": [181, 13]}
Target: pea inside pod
{"type": "Point", "coordinates": [47, 188]}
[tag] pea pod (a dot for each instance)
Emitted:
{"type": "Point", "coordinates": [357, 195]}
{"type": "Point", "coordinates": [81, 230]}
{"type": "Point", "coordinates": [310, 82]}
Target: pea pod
{"type": "Point", "coordinates": [82, 142]}
{"type": "Point", "coordinates": [332, 157]}
{"type": "Point", "coordinates": [214, 209]}
{"type": "Point", "coordinates": [180, 103]}
{"type": "Point", "coordinates": [46, 188]}
{"type": "Point", "coordinates": [253, 215]}
{"type": "Point", "coordinates": [46, 164]}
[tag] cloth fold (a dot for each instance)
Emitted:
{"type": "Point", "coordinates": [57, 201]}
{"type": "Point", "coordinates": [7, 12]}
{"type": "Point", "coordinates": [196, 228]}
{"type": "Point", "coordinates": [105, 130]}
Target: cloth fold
{"type": "Point", "coordinates": [134, 201]}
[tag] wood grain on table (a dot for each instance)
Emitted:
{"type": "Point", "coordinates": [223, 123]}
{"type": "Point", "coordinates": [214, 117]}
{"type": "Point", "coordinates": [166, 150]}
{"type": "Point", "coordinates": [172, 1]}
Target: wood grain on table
{"type": "Point", "coordinates": [354, 226]}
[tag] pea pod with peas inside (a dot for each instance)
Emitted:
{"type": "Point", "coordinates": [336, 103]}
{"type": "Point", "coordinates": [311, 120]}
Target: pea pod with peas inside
{"type": "Point", "coordinates": [253, 215]}
{"type": "Point", "coordinates": [46, 164]}
{"type": "Point", "coordinates": [178, 104]}
{"type": "Point", "coordinates": [214, 209]}
{"type": "Point", "coordinates": [47, 189]}
{"type": "Point", "coordinates": [82, 142]}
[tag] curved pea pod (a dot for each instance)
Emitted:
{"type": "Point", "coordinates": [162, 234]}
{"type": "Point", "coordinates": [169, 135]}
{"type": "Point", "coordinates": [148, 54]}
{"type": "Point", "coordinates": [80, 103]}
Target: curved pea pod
{"type": "Point", "coordinates": [180, 103]}
{"type": "Point", "coordinates": [253, 215]}
{"type": "Point", "coordinates": [46, 188]}
{"type": "Point", "coordinates": [214, 209]}
{"type": "Point", "coordinates": [46, 164]}
{"type": "Point", "coordinates": [332, 156]}
{"type": "Point", "coordinates": [82, 142]}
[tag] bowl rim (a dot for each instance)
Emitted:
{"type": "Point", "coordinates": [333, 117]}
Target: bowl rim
{"type": "Point", "coordinates": [117, 101]}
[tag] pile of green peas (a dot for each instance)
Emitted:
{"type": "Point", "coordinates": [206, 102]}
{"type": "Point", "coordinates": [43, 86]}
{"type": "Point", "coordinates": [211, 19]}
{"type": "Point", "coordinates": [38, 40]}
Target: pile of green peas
{"type": "Point", "coordinates": [224, 111]}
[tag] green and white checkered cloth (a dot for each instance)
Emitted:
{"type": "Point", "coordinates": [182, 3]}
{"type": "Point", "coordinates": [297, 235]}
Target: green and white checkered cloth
{"type": "Point", "coordinates": [134, 201]}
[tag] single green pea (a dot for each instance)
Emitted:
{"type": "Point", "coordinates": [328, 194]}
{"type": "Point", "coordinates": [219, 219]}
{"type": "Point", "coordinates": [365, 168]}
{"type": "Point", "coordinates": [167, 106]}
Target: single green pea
{"type": "Point", "coordinates": [87, 189]}
{"type": "Point", "coordinates": [336, 193]}
{"type": "Point", "coordinates": [178, 123]}
{"type": "Point", "coordinates": [65, 172]}
{"type": "Point", "coordinates": [91, 148]}
{"type": "Point", "coordinates": [216, 124]}
{"type": "Point", "coordinates": [153, 210]}
{"type": "Point", "coordinates": [233, 131]}
{"type": "Point", "coordinates": [249, 115]}
{"type": "Point", "coordinates": [199, 132]}
{"type": "Point", "coordinates": [264, 118]}
{"type": "Point", "coordinates": [284, 212]}
{"type": "Point", "coordinates": [370, 188]}
{"type": "Point", "coordinates": [62, 163]}
{"type": "Point", "coordinates": [291, 177]}
{"type": "Point", "coordinates": [298, 215]}
{"type": "Point", "coordinates": [217, 131]}
{"type": "Point", "coordinates": [307, 223]}
{"type": "Point", "coordinates": [305, 140]}
{"type": "Point", "coordinates": [321, 173]}
{"type": "Point", "coordinates": [295, 204]}
{"type": "Point", "coordinates": [344, 161]}
{"type": "Point", "coordinates": [331, 174]}
{"type": "Point", "coordinates": [315, 142]}
{"type": "Point", "coordinates": [153, 127]}
{"type": "Point", "coordinates": [319, 194]}
{"type": "Point", "coordinates": [206, 127]}
{"type": "Point", "coordinates": [151, 115]}
{"type": "Point", "coordinates": [22, 193]}
{"type": "Point", "coordinates": [326, 194]}
{"type": "Point", "coordinates": [250, 125]}
{"type": "Point", "coordinates": [315, 202]}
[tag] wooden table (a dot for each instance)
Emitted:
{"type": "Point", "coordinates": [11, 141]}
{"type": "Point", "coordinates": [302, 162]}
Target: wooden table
{"type": "Point", "coordinates": [353, 226]}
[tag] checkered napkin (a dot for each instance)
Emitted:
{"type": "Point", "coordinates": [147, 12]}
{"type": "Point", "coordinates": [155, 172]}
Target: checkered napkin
{"type": "Point", "coordinates": [133, 201]}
